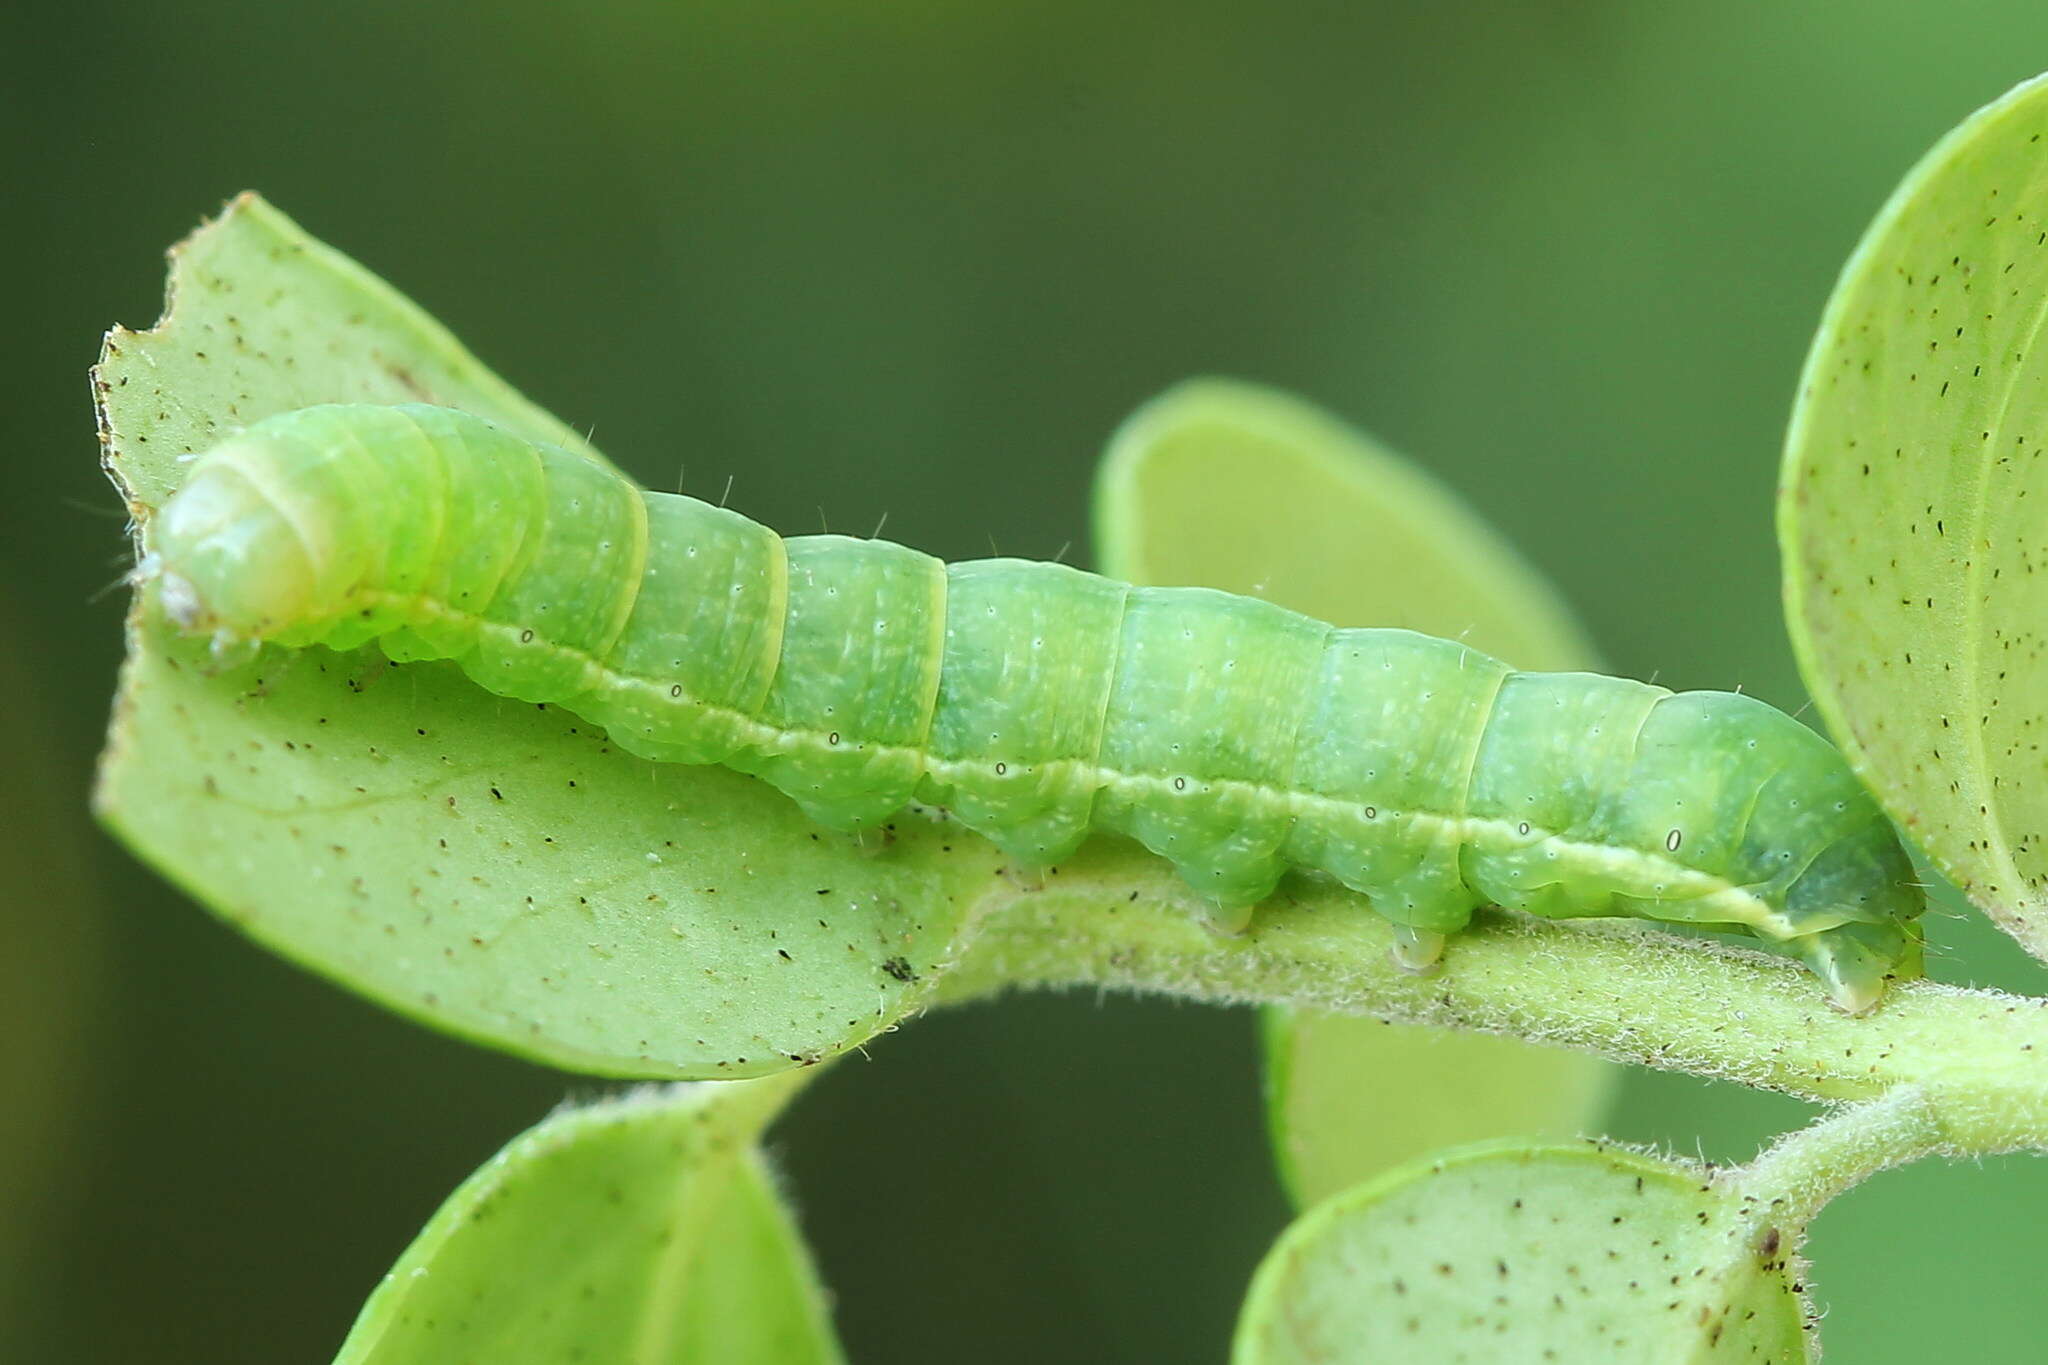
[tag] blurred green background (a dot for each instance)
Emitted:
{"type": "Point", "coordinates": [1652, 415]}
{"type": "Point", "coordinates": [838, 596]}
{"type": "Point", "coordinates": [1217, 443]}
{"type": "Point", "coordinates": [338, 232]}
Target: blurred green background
{"type": "Point", "coordinates": [919, 260]}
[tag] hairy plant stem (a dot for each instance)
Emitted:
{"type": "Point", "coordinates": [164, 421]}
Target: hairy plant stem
{"type": "Point", "coordinates": [1113, 917]}
{"type": "Point", "coordinates": [1795, 1177]}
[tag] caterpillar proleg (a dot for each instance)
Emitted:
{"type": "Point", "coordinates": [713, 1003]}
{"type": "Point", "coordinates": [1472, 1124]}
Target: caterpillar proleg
{"type": "Point", "coordinates": [1038, 702]}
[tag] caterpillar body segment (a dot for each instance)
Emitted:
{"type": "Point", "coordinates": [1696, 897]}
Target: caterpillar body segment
{"type": "Point", "coordinates": [1037, 702]}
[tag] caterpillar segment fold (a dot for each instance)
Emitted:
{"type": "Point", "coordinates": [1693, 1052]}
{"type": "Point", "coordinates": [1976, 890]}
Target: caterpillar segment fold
{"type": "Point", "coordinates": [1039, 703]}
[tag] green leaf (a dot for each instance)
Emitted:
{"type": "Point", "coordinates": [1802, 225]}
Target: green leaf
{"type": "Point", "coordinates": [645, 1230]}
{"type": "Point", "coordinates": [1913, 583]}
{"type": "Point", "coordinates": [1348, 1097]}
{"type": "Point", "coordinates": [1511, 1253]}
{"type": "Point", "coordinates": [493, 869]}
{"type": "Point", "coordinates": [1233, 486]}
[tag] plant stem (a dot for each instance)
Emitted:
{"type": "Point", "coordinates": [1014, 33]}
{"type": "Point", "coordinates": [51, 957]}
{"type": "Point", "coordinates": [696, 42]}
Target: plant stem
{"type": "Point", "coordinates": [1113, 917]}
{"type": "Point", "coordinates": [1791, 1181]}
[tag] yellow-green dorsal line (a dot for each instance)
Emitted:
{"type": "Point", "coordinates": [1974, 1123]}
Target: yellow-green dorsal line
{"type": "Point", "coordinates": [1717, 899]}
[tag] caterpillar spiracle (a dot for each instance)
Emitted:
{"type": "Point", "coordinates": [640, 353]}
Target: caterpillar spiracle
{"type": "Point", "coordinates": [1037, 702]}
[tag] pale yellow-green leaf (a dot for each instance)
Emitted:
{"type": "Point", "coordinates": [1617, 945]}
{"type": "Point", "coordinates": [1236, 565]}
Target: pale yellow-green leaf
{"type": "Point", "coordinates": [1348, 1096]}
{"type": "Point", "coordinates": [641, 1231]}
{"type": "Point", "coordinates": [1508, 1254]}
{"type": "Point", "coordinates": [1912, 501]}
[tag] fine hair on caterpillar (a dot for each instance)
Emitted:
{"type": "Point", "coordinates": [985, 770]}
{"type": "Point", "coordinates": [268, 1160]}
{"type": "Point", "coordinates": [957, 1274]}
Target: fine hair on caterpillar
{"type": "Point", "coordinates": [1037, 702]}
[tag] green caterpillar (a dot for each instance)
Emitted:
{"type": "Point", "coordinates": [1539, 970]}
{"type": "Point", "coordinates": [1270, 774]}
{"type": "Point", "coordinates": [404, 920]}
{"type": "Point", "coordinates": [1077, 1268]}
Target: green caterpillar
{"type": "Point", "coordinates": [1037, 702]}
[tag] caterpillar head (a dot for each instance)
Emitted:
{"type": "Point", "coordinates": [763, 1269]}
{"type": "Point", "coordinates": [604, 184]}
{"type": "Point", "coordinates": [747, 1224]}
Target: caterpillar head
{"type": "Point", "coordinates": [1858, 961]}
{"type": "Point", "coordinates": [1864, 887]}
{"type": "Point", "coordinates": [229, 560]}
